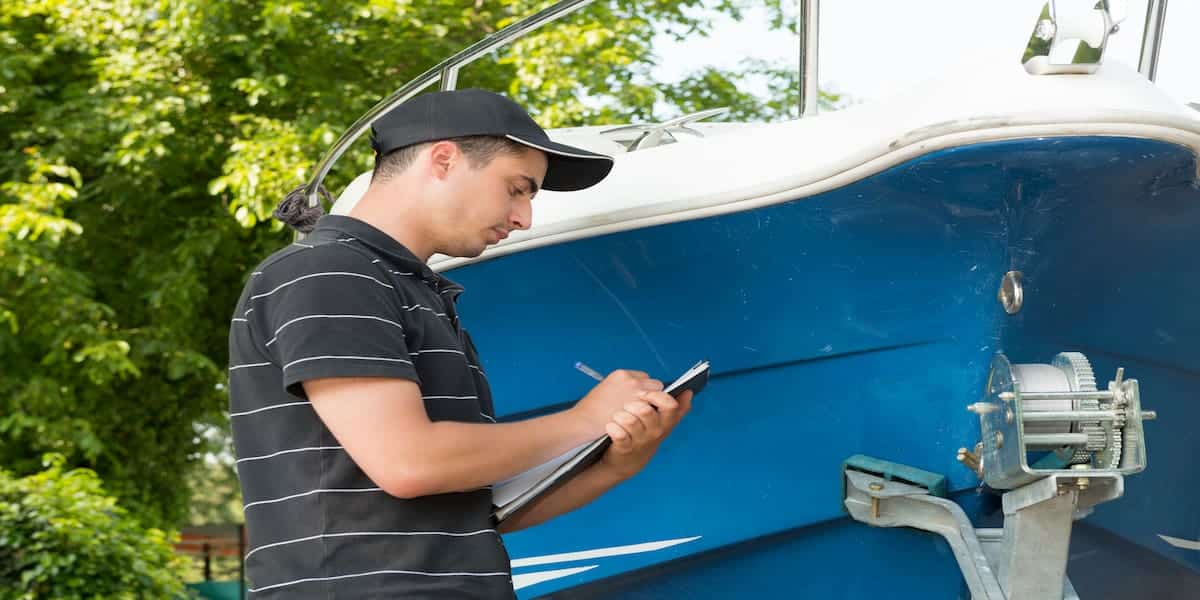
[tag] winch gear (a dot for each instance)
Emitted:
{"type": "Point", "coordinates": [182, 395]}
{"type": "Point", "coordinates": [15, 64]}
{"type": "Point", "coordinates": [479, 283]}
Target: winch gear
{"type": "Point", "coordinates": [1083, 379]}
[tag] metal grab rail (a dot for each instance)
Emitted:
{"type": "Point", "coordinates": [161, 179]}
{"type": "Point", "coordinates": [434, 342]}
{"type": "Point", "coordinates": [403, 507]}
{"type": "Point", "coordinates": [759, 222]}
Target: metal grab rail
{"type": "Point", "coordinates": [445, 71]}
{"type": "Point", "coordinates": [808, 29]}
{"type": "Point", "coordinates": [1156, 16]}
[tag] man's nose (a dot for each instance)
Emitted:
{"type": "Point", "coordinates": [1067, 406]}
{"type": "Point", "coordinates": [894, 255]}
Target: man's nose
{"type": "Point", "coordinates": [522, 214]}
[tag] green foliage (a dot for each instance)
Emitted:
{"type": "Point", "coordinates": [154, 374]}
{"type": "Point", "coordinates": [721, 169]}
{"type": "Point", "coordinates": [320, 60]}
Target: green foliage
{"type": "Point", "coordinates": [62, 537]}
{"type": "Point", "coordinates": [152, 141]}
{"type": "Point", "coordinates": [216, 497]}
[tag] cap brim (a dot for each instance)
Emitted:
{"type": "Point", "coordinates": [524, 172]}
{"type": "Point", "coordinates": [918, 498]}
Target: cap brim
{"type": "Point", "coordinates": [569, 168]}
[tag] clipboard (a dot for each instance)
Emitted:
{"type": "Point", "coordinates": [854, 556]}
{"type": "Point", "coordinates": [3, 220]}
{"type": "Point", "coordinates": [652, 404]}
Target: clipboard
{"type": "Point", "coordinates": [513, 494]}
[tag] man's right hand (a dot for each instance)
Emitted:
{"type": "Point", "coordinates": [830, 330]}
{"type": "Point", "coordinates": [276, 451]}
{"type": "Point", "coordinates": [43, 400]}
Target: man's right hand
{"type": "Point", "coordinates": [610, 396]}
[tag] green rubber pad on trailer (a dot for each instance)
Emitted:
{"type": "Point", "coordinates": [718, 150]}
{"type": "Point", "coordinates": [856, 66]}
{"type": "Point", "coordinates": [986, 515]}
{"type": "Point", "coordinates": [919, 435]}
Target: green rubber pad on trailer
{"type": "Point", "coordinates": [893, 471]}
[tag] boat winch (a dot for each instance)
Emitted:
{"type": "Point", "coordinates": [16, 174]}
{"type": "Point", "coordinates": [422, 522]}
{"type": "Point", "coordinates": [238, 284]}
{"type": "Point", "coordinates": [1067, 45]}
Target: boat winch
{"type": "Point", "coordinates": [1052, 442]}
{"type": "Point", "coordinates": [1042, 419]}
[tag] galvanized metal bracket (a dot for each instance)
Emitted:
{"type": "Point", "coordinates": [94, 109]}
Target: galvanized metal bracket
{"type": "Point", "coordinates": [1063, 25]}
{"type": "Point", "coordinates": [1025, 559]}
{"type": "Point", "coordinates": [881, 503]}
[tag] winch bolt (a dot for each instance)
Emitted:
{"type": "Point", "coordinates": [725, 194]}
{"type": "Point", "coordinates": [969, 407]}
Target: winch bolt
{"type": "Point", "coordinates": [875, 500]}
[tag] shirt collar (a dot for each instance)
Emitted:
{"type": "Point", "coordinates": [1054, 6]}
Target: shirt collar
{"type": "Point", "coordinates": [341, 226]}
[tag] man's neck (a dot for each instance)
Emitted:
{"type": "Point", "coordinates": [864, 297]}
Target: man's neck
{"type": "Point", "coordinates": [388, 211]}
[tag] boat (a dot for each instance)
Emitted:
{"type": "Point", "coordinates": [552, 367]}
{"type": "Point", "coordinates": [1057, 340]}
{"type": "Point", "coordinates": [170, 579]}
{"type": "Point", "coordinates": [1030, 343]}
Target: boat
{"type": "Point", "coordinates": [952, 334]}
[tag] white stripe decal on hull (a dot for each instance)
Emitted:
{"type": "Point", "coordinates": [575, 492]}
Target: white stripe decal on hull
{"type": "Point", "coordinates": [527, 579]}
{"type": "Point", "coordinates": [600, 552]}
{"type": "Point", "coordinates": [1180, 543]}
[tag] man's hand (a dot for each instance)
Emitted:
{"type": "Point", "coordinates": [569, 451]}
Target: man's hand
{"type": "Point", "coordinates": [638, 428]}
{"type": "Point", "coordinates": [612, 395]}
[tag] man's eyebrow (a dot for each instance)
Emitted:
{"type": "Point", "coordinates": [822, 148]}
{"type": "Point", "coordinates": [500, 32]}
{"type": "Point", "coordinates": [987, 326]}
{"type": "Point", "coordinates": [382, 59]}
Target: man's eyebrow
{"type": "Point", "coordinates": [533, 186]}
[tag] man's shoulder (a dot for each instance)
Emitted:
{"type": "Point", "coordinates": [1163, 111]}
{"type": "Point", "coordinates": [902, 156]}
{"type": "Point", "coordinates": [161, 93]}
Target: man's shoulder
{"type": "Point", "coordinates": [332, 267]}
{"type": "Point", "coordinates": [301, 258]}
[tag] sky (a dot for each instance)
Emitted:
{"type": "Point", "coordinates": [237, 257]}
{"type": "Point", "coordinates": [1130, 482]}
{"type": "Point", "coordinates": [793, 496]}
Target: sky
{"type": "Point", "coordinates": [870, 49]}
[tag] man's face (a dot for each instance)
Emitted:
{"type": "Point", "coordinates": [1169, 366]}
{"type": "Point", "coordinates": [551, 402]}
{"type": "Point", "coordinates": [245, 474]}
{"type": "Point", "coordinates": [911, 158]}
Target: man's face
{"type": "Point", "coordinates": [483, 205]}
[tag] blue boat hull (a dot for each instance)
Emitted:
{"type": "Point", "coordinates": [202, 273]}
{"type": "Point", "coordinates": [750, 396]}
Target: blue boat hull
{"type": "Point", "coordinates": [857, 321]}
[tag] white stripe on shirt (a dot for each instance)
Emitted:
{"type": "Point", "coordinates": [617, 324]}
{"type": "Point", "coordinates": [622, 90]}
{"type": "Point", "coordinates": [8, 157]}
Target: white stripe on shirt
{"type": "Point", "coordinates": [386, 572]}
{"type": "Point", "coordinates": [247, 366]}
{"type": "Point", "coordinates": [439, 351]}
{"type": "Point", "coordinates": [325, 274]}
{"type": "Point", "coordinates": [282, 452]}
{"type": "Point", "coordinates": [272, 407]}
{"type": "Point", "coordinates": [272, 340]}
{"type": "Point", "coordinates": [311, 492]}
{"type": "Point", "coordinates": [416, 306]}
{"type": "Point", "coordinates": [353, 533]}
{"type": "Point", "coordinates": [300, 360]}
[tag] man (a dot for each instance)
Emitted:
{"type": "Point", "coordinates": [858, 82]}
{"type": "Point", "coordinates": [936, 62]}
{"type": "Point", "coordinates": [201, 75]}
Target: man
{"type": "Point", "coordinates": [362, 419]}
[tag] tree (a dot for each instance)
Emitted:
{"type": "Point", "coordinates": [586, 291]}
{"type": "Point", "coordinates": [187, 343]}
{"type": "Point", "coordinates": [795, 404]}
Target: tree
{"type": "Point", "coordinates": [63, 537]}
{"type": "Point", "coordinates": [153, 139]}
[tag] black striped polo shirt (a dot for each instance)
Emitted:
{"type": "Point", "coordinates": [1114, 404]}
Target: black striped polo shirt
{"type": "Point", "coordinates": [350, 301]}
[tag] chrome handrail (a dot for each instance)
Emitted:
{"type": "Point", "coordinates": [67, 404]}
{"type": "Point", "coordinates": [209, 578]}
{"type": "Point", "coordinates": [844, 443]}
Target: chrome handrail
{"type": "Point", "coordinates": [1156, 15]}
{"type": "Point", "coordinates": [809, 30]}
{"type": "Point", "coordinates": [446, 72]}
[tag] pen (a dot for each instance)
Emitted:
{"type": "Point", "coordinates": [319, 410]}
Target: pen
{"type": "Point", "coordinates": [586, 370]}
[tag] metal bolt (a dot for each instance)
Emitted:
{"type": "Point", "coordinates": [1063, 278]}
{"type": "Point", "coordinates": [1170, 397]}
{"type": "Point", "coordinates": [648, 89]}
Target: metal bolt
{"type": "Point", "coordinates": [1081, 482]}
{"type": "Point", "coordinates": [875, 500]}
{"type": "Point", "coordinates": [970, 460]}
{"type": "Point", "coordinates": [1008, 415]}
{"type": "Point", "coordinates": [1011, 294]}
{"type": "Point", "coordinates": [981, 408]}
{"type": "Point", "coordinates": [999, 439]}
{"type": "Point", "coordinates": [1149, 415]}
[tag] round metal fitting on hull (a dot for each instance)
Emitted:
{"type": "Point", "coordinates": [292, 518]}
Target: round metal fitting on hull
{"type": "Point", "coordinates": [1012, 293]}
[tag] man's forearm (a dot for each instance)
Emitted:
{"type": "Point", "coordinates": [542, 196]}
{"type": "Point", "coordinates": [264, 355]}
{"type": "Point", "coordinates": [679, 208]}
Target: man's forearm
{"type": "Point", "coordinates": [450, 456]}
{"type": "Point", "coordinates": [382, 423]}
{"type": "Point", "coordinates": [576, 492]}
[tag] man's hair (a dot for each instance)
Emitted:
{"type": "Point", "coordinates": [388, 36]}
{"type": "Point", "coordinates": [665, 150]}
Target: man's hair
{"type": "Point", "coordinates": [479, 150]}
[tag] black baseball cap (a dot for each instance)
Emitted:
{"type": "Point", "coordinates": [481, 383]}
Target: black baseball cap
{"type": "Point", "coordinates": [469, 112]}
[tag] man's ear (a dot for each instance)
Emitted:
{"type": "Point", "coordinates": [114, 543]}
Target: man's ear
{"type": "Point", "coordinates": [442, 157]}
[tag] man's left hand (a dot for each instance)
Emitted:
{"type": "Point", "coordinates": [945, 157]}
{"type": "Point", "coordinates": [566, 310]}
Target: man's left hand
{"type": "Point", "coordinates": [637, 430]}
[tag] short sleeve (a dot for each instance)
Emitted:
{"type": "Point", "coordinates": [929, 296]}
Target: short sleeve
{"type": "Point", "coordinates": [331, 312]}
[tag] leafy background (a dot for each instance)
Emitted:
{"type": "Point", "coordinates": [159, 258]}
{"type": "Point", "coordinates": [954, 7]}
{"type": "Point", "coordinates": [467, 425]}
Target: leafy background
{"type": "Point", "coordinates": [147, 142]}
